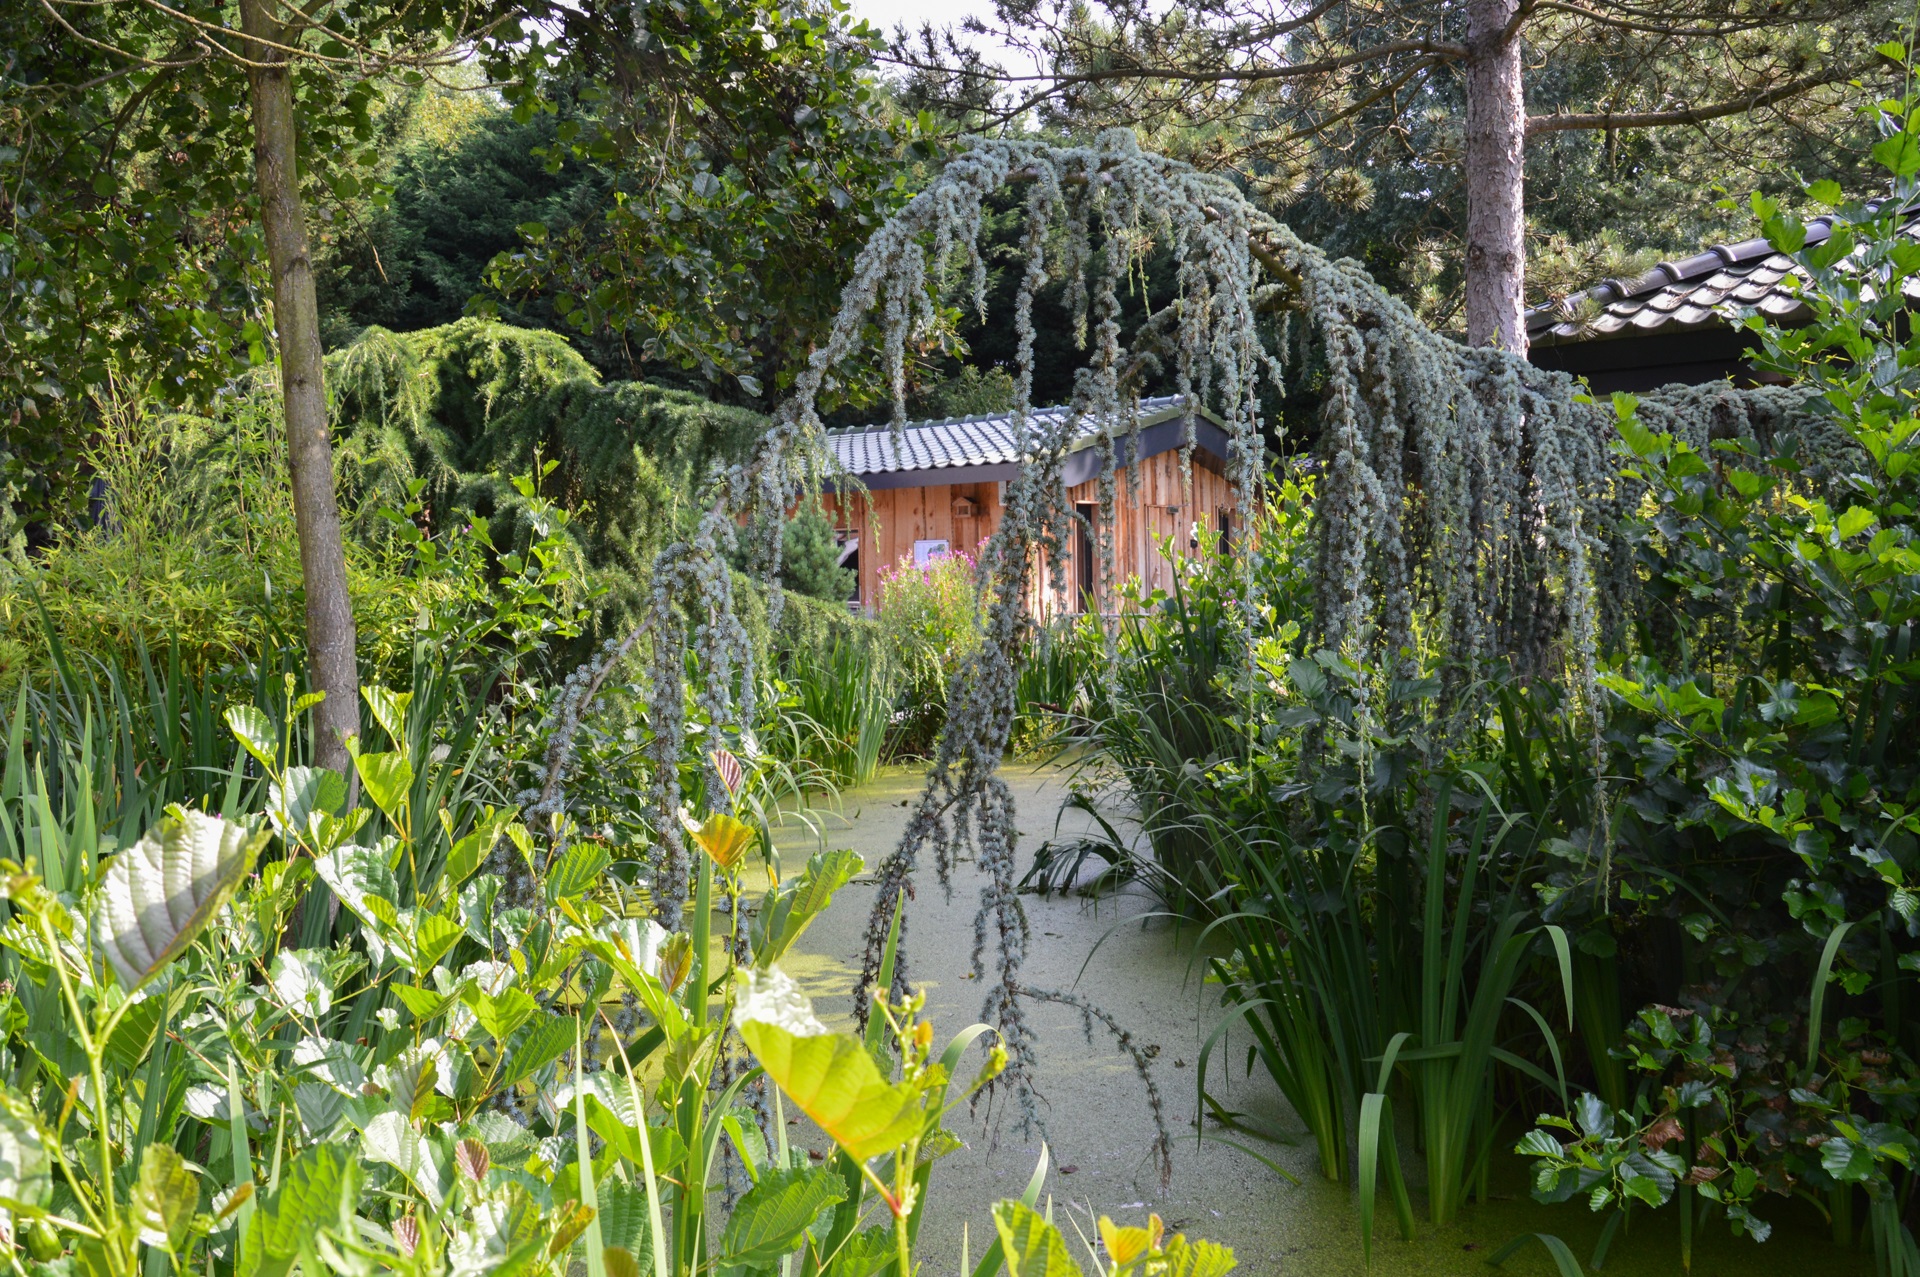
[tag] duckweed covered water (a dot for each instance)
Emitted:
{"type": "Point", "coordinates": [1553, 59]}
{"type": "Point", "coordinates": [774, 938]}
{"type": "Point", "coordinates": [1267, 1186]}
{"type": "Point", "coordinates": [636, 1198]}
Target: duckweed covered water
{"type": "Point", "coordinates": [1098, 1127]}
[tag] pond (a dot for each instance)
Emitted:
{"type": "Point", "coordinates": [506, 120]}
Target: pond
{"type": "Point", "coordinates": [1138, 966]}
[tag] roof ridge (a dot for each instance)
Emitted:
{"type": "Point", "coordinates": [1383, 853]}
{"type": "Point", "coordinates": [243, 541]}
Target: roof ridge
{"type": "Point", "coordinates": [1157, 401]}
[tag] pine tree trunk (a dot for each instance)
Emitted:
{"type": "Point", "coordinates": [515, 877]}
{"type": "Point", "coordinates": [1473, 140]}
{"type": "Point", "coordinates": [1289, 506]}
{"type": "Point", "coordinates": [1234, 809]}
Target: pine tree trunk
{"type": "Point", "coordinates": [296, 317]}
{"type": "Point", "coordinates": [1496, 152]}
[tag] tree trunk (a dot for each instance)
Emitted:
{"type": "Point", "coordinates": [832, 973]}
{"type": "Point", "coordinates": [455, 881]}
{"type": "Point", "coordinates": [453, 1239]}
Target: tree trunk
{"type": "Point", "coordinates": [296, 317]}
{"type": "Point", "coordinates": [1496, 202]}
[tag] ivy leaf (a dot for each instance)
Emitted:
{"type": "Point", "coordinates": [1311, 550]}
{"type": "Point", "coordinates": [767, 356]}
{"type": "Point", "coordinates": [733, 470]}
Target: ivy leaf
{"type": "Point", "coordinates": [775, 1213]}
{"type": "Point", "coordinates": [1032, 1246]}
{"type": "Point", "coordinates": [159, 893]}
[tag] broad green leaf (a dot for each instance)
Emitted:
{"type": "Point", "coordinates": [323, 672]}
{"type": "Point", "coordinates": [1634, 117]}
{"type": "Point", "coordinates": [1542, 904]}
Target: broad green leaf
{"type": "Point", "coordinates": [867, 1252]}
{"type": "Point", "coordinates": [388, 778]}
{"type": "Point", "coordinates": [424, 1003]}
{"type": "Point", "coordinates": [390, 1138]}
{"type": "Point", "coordinates": [26, 1170]}
{"type": "Point", "coordinates": [434, 935]}
{"type": "Point", "coordinates": [389, 710]}
{"type": "Point", "coordinates": [1032, 1246]}
{"type": "Point", "coordinates": [788, 909]}
{"type": "Point", "coordinates": [1856, 520]}
{"type": "Point", "coordinates": [577, 871]}
{"type": "Point", "coordinates": [610, 1114]}
{"type": "Point", "coordinates": [133, 1036]}
{"type": "Point", "coordinates": [537, 1045]}
{"type": "Point", "coordinates": [1183, 1258]}
{"type": "Point", "coordinates": [623, 1216]}
{"type": "Point", "coordinates": [254, 730]}
{"type": "Point", "coordinates": [164, 1197]}
{"type": "Point", "coordinates": [318, 1191]}
{"type": "Point", "coordinates": [410, 1081]}
{"type": "Point", "coordinates": [1899, 154]}
{"type": "Point", "coordinates": [500, 1014]}
{"type": "Point", "coordinates": [726, 839]}
{"type": "Point", "coordinates": [300, 792]}
{"type": "Point", "coordinates": [357, 876]}
{"type": "Point", "coordinates": [829, 1076]}
{"type": "Point", "coordinates": [159, 893]}
{"type": "Point", "coordinates": [775, 1214]}
{"type": "Point", "coordinates": [1538, 1143]}
{"type": "Point", "coordinates": [299, 977]}
{"type": "Point", "coordinates": [467, 854]}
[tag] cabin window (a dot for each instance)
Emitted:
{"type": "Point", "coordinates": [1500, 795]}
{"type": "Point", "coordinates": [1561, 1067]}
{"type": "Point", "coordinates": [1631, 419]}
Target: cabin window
{"type": "Point", "coordinates": [1084, 569]}
{"type": "Point", "coordinates": [1223, 525]}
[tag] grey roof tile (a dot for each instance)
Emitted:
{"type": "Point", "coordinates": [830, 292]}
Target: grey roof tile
{"type": "Point", "coordinates": [963, 441]}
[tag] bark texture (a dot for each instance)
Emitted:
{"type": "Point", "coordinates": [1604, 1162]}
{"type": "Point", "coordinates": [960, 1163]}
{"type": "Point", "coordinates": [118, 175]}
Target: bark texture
{"type": "Point", "coordinates": [296, 315]}
{"type": "Point", "coordinates": [1495, 169]}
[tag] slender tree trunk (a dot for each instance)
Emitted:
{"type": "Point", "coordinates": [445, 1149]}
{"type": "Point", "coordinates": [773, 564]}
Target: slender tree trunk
{"type": "Point", "coordinates": [296, 317]}
{"type": "Point", "coordinates": [1496, 201]}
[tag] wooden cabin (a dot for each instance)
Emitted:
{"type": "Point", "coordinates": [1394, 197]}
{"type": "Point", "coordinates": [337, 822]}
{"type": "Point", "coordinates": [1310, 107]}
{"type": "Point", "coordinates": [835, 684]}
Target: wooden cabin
{"type": "Point", "coordinates": [943, 492]}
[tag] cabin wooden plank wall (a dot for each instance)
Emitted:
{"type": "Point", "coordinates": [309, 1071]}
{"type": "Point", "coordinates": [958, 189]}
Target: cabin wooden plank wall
{"type": "Point", "coordinates": [890, 520]}
{"type": "Point", "coordinates": [897, 517]}
{"type": "Point", "coordinates": [1159, 506]}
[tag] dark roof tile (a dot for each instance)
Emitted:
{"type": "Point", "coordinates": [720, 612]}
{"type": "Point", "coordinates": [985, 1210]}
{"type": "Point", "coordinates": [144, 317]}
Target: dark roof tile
{"type": "Point", "coordinates": [1709, 288]}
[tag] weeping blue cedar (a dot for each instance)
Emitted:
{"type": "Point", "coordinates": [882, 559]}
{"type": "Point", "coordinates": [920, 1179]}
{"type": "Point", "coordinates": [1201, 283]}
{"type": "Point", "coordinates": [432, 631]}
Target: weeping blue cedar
{"type": "Point", "coordinates": [1465, 495]}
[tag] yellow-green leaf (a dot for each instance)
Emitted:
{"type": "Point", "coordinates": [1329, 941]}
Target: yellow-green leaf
{"type": "Point", "coordinates": [829, 1076]}
{"type": "Point", "coordinates": [164, 1197]}
{"type": "Point", "coordinates": [388, 778]}
{"type": "Point", "coordinates": [254, 730]}
{"type": "Point", "coordinates": [724, 838]}
{"type": "Point", "coordinates": [1032, 1247]}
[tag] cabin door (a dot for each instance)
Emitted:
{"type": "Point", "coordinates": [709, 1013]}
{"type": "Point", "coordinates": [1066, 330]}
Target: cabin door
{"type": "Point", "coordinates": [1085, 563]}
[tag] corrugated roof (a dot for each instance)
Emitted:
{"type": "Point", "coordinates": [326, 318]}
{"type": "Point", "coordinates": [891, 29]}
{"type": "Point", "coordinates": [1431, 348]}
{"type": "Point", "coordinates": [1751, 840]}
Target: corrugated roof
{"type": "Point", "coordinates": [1706, 290]}
{"type": "Point", "coordinates": [966, 441]}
